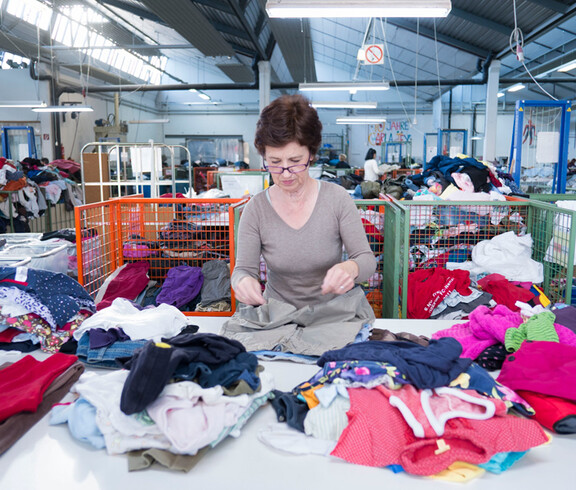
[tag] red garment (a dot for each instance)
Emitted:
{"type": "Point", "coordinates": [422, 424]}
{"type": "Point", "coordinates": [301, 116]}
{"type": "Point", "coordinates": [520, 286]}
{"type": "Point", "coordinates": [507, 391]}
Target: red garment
{"type": "Point", "coordinates": [377, 435]}
{"type": "Point", "coordinates": [554, 413]}
{"type": "Point", "coordinates": [544, 367]}
{"type": "Point", "coordinates": [23, 383]}
{"type": "Point", "coordinates": [372, 232]}
{"type": "Point", "coordinates": [129, 283]}
{"type": "Point", "coordinates": [427, 288]}
{"type": "Point", "coordinates": [504, 292]}
{"type": "Point", "coordinates": [8, 334]}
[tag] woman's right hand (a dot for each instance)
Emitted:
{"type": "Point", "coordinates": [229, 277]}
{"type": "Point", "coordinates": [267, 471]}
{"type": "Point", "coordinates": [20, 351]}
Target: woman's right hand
{"type": "Point", "coordinates": [249, 291]}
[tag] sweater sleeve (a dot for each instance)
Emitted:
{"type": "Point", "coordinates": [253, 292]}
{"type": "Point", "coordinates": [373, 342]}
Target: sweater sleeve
{"type": "Point", "coordinates": [249, 245]}
{"type": "Point", "coordinates": [354, 238]}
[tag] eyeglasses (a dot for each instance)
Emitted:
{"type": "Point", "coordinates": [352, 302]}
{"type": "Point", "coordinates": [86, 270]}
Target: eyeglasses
{"type": "Point", "coordinates": [293, 169]}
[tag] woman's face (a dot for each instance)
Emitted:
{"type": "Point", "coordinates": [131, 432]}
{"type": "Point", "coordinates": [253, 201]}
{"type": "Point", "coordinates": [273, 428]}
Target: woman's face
{"type": "Point", "coordinates": [291, 155]}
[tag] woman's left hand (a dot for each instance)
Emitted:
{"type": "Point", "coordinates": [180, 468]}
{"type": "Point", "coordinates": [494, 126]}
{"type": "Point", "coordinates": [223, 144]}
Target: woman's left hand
{"type": "Point", "coordinates": [340, 278]}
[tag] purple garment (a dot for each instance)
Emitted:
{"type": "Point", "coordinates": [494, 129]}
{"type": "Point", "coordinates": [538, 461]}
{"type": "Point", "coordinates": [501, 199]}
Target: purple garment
{"type": "Point", "coordinates": [182, 284]}
{"type": "Point", "coordinates": [543, 367]}
{"type": "Point", "coordinates": [99, 337]}
{"type": "Point", "coordinates": [566, 317]}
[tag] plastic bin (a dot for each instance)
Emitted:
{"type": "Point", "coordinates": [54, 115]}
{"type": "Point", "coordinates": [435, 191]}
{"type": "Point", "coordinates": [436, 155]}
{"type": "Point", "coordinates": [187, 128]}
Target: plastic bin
{"type": "Point", "coordinates": [14, 261]}
{"type": "Point", "coordinates": [43, 255]}
{"type": "Point", "coordinates": [17, 238]}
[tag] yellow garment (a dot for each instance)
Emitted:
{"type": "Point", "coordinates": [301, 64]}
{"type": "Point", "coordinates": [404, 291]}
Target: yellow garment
{"type": "Point", "coordinates": [307, 391]}
{"type": "Point", "coordinates": [459, 471]}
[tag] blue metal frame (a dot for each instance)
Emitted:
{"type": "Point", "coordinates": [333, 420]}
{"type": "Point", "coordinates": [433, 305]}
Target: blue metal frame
{"type": "Point", "coordinates": [6, 153]}
{"type": "Point", "coordinates": [515, 161]}
{"type": "Point", "coordinates": [441, 133]}
{"type": "Point", "coordinates": [400, 144]}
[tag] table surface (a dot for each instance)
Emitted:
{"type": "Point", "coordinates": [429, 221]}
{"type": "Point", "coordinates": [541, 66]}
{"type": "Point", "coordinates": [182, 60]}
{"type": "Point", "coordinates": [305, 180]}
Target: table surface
{"type": "Point", "coordinates": [47, 457]}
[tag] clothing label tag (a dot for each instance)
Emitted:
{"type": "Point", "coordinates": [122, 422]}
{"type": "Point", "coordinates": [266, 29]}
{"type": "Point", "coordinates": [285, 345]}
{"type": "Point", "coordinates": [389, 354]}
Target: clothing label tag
{"type": "Point", "coordinates": [442, 447]}
{"type": "Point", "coordinates": [21, 274]}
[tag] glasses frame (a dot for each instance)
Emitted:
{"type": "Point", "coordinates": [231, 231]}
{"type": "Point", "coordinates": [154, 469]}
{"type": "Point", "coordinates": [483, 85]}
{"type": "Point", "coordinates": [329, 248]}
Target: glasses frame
{"type": "Point", "coordinates": [290, 168]}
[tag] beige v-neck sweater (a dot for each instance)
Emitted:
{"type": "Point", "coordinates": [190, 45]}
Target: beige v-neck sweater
{"type": "Point", "coordinates": [297, 260]}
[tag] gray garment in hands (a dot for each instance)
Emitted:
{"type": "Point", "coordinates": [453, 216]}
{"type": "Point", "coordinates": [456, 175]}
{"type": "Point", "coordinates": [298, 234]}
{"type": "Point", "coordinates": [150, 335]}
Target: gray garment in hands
{"type": "Point", "coordinates": [311, 330]}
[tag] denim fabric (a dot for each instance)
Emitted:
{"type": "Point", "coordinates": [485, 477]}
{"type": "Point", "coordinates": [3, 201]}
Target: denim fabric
{"type": "Point", "coordinates": [105, 357]}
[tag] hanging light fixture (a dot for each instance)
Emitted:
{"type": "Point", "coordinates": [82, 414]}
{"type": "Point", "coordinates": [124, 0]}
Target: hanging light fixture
{"type": "Point", "coordinates": [357, 8]}
{"type": "Point", "coordinates": [64, 108]}
{"type": "Point", "coordinates": [28, 104]}
{"type": "Point", "coordinates": [345, 105]}
{"type": "Point", "coordinates": [361, 120]}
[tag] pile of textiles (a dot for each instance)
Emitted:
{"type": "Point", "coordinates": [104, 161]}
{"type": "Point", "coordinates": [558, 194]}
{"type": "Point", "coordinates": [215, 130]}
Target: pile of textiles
{"type": "Point", "coordinates": [407, 405]}
{"type": "Point", "coordinates": [40, 308]}
{"type": "Point", "coordinates": [188, 288]}
{"type": "Point", "coordinates": [33, 186]}
{"type": "Point", "coordinates": [173, 401]}
{"type": "Point", "coordinates": [28, 390]}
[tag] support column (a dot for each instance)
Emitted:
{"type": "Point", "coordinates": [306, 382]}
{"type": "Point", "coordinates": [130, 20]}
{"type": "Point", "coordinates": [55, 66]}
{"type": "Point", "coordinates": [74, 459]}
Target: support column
{"type": "Point", "coordinates": [264, 83]}
{"type": "Point", "coordinates": [491, 119]}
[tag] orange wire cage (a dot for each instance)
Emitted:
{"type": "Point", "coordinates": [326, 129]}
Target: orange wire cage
{"type": "Point", "coordinates": [164, 232]}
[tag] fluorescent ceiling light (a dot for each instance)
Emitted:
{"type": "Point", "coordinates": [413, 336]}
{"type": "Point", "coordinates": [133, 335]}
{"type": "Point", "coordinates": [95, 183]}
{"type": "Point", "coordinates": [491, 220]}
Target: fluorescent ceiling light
{"type": "Point", "coordinates": [204, 96]}
{"type": "Point", "coordinates": [501, 94]}
{"type": "Point", "coordinates": [516, 88]}
{"type": "Point", "coordinates": [568, 67]}
{"type": "Point", "coordinates": [358, 8]}
{"type": "Point", "coordinates": [22, 104]}
{"type": "Point", "coordinates": [475, 138]}
{"type": "Point", "coordinates": [345, 105]}
{"type": "Point", "coordinates": [150, 121]}
{"type": "Point", "coordinates": [361, 120]}
{"type": "Point", "coordinates": [64, 108]}
{"type": "Point", "coordinates": [343, 86]}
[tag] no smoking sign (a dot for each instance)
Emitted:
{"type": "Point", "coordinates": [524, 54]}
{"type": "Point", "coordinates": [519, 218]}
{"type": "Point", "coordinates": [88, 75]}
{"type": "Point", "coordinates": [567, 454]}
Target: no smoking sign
{"type": "Point", "coordinates": [374, 54]}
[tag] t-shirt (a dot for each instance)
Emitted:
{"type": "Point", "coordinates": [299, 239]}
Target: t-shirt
{"type": "Point", "coordinates": [297, 260]}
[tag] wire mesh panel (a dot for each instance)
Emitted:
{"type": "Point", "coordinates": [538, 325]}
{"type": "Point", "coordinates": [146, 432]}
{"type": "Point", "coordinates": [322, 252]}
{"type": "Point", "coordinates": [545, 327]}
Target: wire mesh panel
{"type": "Point", "coordinates": [554, 237]}
{"type": "Point", "coordinates": [372, 215]}
{"type": "Point", "coordinates": [165, 233]}
{"type": "Point", "coordinates": [437, 232]}
{"type": "Point", "coordinates": [97, 243]}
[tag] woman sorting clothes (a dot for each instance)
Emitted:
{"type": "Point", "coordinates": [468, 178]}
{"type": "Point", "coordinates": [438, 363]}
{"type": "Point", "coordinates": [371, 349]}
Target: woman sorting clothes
{"type": "Point", "coordinates": [299, 226]}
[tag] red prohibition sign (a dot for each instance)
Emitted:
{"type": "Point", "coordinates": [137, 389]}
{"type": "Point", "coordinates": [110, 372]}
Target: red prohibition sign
{"type": "Point", "coordinates": [374, 54]}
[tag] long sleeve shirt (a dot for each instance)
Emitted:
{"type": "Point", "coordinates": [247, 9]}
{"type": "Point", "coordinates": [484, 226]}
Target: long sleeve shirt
{"type": "Point", "coordinates": [297, 260]}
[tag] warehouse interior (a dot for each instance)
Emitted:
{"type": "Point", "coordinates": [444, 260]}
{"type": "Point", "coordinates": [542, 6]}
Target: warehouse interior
{"type": "Point", "coordinates": [196, 65]}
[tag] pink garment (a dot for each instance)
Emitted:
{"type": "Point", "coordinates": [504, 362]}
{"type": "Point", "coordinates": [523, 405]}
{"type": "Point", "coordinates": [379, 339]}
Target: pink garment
{"type": "Point", "coordinates": [485, 328]}
{"type": "Point", "coordinates": [428, 411]}
{"type": "Point", "coordinates": [543, 367]}
{"type": "Point", "coordinates": [463, 181]}
{"type": "Point", "coordinates": [377, 435]}
{"type": "Point", "coordinates": [129, 283]}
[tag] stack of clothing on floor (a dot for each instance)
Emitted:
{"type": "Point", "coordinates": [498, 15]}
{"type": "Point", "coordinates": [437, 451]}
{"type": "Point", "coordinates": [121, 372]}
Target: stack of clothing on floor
{"type": "Point", "coordinates": [29, 388]}
{"type": "Point", "coordinates": [175, 399]}
{"type": "Point", "coordinates": [536, 352]}
{"type": "Point", "coordinates": [410, 405]}
{"type": "Point", "coordinates": [188, 288]}
{"type": "Point", "coordinates": [40, 309]}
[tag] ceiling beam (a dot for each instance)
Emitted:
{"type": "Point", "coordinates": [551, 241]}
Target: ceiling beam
{"type": "Point", "coordinates": [132, 9]}
{"type": "Point", "coordinates": [551, 5]}
{"type": "Point", "coordinates": [411, 26]}
{"type": "Point", "coordinates": [248, 29]}
{"type": "Point", "coordinates": [481, 21]}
